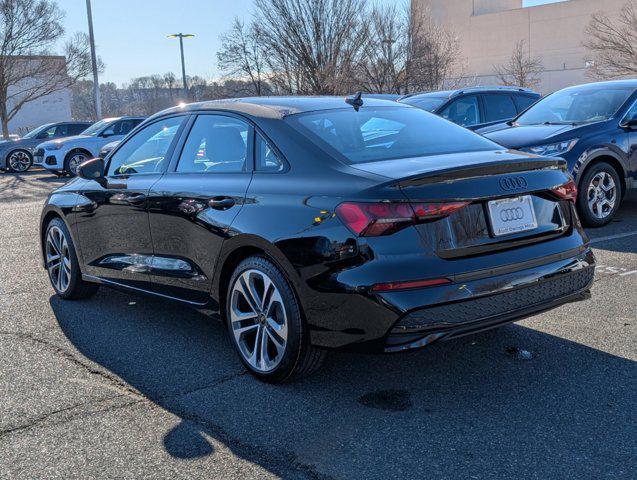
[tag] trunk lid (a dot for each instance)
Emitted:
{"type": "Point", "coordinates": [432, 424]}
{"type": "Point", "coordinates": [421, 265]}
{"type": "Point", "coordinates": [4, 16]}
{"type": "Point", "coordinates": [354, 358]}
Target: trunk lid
{"type": "Point", "coordinates": [480, 178]}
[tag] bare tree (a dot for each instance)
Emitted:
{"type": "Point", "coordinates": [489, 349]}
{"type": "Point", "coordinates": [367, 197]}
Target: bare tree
{"type": "Point", "coordinates": [28, 29]}
{"type": "Point", "coordinates": [313, 45]}
{"type": "Point", "coordinates": [521, 70]}
{"type": "Point", "coordinates": [433, 53]}
{"type": "Point", "coordinates": [612, 43]}
{"type": "Point", "coordinates": [382, 67]}
{"type": "Point", "coordinates": [242, 54]}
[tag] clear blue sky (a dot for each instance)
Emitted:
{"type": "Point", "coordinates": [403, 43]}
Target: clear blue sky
{"type": "Point", "coordinates": [131, 34]}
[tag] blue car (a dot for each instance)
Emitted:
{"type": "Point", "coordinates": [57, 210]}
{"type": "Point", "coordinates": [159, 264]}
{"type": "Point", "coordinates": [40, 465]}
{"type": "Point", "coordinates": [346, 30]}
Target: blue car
{"type": "Point", "coordinates": [594, 128]}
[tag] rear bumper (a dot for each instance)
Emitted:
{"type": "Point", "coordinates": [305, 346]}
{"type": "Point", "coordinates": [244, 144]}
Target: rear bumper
{"type": "Point", "coordinates": [410, 319]}
{"type": "Point", "coordinates": [423, 326]}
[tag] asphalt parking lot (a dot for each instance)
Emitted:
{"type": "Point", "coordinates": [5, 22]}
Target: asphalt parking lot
{"type": "Point", "coordinates": [133, 387]}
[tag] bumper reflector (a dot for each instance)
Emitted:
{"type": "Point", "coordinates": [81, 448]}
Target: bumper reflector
{"type": "Point", "coordinates": [392, 286]}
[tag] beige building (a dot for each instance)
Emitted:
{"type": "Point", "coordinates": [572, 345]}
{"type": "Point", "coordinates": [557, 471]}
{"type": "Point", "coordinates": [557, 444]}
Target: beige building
{"type": "Point", "coordinates": [489, 30]}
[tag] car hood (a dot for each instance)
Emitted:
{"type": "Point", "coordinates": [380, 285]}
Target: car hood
{"type": "Point", "coordinates": [417, 166]}
{"type": "Point", "coordinates": [526, 135]}
{"type": "Point", "coordinates": [75, 139]}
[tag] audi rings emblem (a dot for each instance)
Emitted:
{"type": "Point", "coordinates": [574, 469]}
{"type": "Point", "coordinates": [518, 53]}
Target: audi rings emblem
{"type": "Point", "coordinates": [513, 183]}
{"type": "Point", "coordinates": [510, 214]}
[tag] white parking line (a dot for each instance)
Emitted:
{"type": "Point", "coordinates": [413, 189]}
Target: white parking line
{"type": "Point", "coordinates": [613, 237]}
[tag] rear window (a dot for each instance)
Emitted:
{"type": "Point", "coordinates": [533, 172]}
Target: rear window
{"type": "Point", "coordinates": [384, 133]}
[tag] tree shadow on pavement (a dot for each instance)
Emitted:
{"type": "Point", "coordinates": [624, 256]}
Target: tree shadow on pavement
{"type": "Point", "coordinates": [473, 406]}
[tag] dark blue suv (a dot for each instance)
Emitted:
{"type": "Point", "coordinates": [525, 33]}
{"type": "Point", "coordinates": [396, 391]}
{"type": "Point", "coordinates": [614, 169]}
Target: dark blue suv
{"type": "Point", "coordinates": [593, 127]}
{"type": "Point", "coordinates": [475, 107]}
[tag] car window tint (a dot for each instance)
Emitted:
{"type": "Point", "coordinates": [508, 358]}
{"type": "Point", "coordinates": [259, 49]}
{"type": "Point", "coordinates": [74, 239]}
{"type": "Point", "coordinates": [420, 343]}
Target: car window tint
{"type": "Point", "coordinates": [498, 107]}
{"type": "Point", "coordinates": [267, 159]}
{"type": "Point", "coordinates": [522, 102]}
{"type": "Point", "coordinates": [216, 143]}
{"type": "Point", "coordinates": [384, 133]}
{"type": "Point", "coordinates": [145, 151]}
{"type": "Point", "coordinates": [62, 130]}
{"type": "Point", "coordinates": [125, 126]}
{"type": "Point", "coordinates": [48, 133]}
{"type": "Point", "coordinates": [463, 111]}
{"type": "Point", "coordinates": [632, 113]}
{"type": "Point", "coordinates": [77, 129]}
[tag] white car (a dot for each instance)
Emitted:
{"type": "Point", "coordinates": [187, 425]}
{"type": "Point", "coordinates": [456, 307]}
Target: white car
{"type": "Point", "coordinates": [64, 155]}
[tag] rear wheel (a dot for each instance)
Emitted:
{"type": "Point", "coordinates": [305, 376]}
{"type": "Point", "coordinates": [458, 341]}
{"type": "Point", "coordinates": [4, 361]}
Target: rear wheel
{"type": "Point", "coordinates": [266, 324]}
{"type": "Point", "coordinates": [62, 264]}
{"type": "Point", "coordinates": [19, 161]}
{"type": "Point", "coordinates": [599, 195]}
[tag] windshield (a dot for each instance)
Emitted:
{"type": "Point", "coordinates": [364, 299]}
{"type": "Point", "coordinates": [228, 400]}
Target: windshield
{"type": "Point", "coordinates": [96, 127]}
{"type": "Point", "coordinates": [34, 133]}
{"type": "Point", "coordinates": [426, 103]}
{"type": "Point", "coordinates": [576, 105]}
{"type": "Point", "coordinates": [384, 133]}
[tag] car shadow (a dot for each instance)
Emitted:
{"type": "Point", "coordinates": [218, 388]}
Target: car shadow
{"type": "Point", "coordinates": [479, 402]}
{"type": "Point", "coordinates": [27, 186]}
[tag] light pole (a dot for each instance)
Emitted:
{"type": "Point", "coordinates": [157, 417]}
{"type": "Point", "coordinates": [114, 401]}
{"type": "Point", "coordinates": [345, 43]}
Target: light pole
{"type": "Point", "coordinates": [181, 37]}
{"type": "Point", "coordinates": [96, 82]}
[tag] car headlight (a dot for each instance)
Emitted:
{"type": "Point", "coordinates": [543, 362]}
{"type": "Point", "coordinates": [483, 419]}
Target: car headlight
{"type": "Point", "coordinates": [550, 149]}
{"type": "Point", "coordinates": [54, 146]}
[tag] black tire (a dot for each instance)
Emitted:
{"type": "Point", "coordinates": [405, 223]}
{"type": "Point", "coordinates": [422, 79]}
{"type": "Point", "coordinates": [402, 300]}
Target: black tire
{"type": "Point", "coordinates": [588, 214]}
{"type": "Point", "coordinates": [24, 153]}
{"type": "Point", "coordinates": [69, 156]}
{"type": "Point", "coordinates": [300, 358]}
{"type": "Point", "coordinates": [77, 288]}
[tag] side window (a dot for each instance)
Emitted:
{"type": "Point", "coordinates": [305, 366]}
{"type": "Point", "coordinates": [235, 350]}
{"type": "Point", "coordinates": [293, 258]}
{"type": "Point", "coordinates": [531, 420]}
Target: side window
{"type": "Point", "coordinates": [463, 111]}
{"type": "Point", "coordinates": [523, 102]}
{"type": "Point", "coordinates": [632, 113]}
{"type": "Point", "coordinates": [498, 107]}
{"type": "Point", "coordinates": [267, 160]}
{"type": "Point", "coordinates": [76, 129]}
{"type": "Point", "coordinates": [215, 144]}
{"type": "Point", "coordinates": [48, 133]}
{"type": "Point", "coordinates": [128, 125]}
{"type": "Point", "coordinates": [111, 130]}
{"type": "Point", "coordinates": [62, 130]}
{"type": "Point", "coordinates": [145, 152]}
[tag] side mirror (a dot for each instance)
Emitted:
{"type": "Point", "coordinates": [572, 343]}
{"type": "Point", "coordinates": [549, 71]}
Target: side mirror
{"type": "Point", "coordinates": [630, 124]}
{"type": "Point", "coordinates": [92, 170]}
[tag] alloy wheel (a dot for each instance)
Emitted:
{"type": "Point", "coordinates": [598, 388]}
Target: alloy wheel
{"type": "Point", "coordinates": [19, 161]}
{"type": "Point", "coordinates": [58, 259]}
{"type": "Point", "coordinates": [602, 195]}
{"type": "Point", "coordinates": [75, 161]}
{"type": "Point", "coordinates": [258, 320]}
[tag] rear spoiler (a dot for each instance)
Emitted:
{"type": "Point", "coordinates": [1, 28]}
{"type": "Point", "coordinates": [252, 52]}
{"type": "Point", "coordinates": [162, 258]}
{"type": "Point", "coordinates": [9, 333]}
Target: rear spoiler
{"type": "Point", "coordinates": [497, 167]}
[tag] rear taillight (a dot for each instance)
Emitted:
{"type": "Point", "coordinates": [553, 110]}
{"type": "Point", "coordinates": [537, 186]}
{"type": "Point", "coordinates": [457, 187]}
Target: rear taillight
{"type": "Point", "coordinates": [393, 286]}
{"type": "Point", "coordinates": [385, 218]}
{"type": "Point", "coordinates": [568, 191]}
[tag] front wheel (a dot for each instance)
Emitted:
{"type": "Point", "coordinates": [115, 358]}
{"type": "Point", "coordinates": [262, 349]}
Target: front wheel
{"type": "Point", "coordinates": [19, 161]}
{"type": "Point", "coordinates": [599, 195]}
{"type": "Point", "coordinates": [266, 324]}
{"type": "Point", "coordinates": [62, 263]}
{"type": "Point", "coordinates": [73, 161]}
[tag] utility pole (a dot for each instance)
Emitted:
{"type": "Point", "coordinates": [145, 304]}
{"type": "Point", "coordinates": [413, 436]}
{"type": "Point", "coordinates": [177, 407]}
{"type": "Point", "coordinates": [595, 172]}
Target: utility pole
{"type": "Point", "coordinates": [181, 37]}
{"type": "Point", "coordinates": [96, 82]}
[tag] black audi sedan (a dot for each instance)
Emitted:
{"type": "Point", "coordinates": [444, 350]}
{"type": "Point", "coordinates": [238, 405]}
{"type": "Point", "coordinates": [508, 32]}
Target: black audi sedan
{"type": "Point", "coordinates": [309, 224]}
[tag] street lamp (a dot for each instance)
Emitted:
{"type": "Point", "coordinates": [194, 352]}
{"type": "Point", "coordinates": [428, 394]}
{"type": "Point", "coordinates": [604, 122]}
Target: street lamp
{"type": "Point", "coordinates": [181, 37]}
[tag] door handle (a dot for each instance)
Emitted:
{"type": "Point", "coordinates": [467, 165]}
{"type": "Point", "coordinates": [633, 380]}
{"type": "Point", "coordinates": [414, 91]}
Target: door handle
{"type": "Point", "coordinates": [221, 203]}
{"type": "Point", "coordinates": [136, 198]}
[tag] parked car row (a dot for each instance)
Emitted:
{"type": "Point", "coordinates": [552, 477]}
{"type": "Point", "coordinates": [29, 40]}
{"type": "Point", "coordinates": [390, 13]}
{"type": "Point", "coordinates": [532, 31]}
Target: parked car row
{"type": "Point", "coordinates": [592, 126]}
{"type": "Point", "coordinates": [62, 147]}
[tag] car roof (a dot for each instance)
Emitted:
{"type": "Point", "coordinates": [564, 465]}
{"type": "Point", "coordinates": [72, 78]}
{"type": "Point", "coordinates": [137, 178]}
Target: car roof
{"type": "Point", "coordinates": [460, 91]}
{"type": "Point", "coordinates": [630, 82]}
{"type": "Point", "coordinates": [276, 107]}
